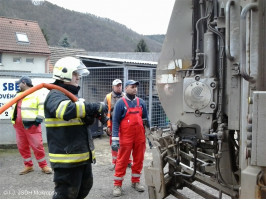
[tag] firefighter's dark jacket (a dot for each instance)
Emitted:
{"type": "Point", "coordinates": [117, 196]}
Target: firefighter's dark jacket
{"type": "Point", "coordinates": [68, 137]}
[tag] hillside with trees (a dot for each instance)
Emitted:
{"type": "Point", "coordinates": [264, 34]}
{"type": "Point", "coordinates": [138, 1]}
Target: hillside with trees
{"type": "Point", "coordinates": [63, 27]}
{"type": "Point", "coordinates": [159, 38]}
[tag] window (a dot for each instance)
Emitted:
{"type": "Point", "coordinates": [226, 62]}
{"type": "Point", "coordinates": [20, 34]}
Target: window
{"type": "Point", "coordinates": [30, 60]}
{"type": "Point", "coordinates": [17, 60]}
{"type": "Point", "coordinates": [22, 37]}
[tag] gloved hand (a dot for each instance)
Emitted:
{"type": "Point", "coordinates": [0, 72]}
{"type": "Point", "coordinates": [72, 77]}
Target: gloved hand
{"type": "Point", "coordinates": [108, 131]}
{"type": "Point", "coordinates": [101, 112]}
{"type": "Point", "coordinates": [38, 121]}
{"type": "Point", "coordinates": [115, 145]}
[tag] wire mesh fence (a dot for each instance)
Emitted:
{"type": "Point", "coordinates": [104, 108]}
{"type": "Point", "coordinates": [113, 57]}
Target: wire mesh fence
{"type": "Point", "coordinates": [99, 83]}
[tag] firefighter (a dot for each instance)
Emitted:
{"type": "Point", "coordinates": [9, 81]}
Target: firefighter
{"type": "Point", "coordinates": [129, 136]}
{"type": "Point", "coordinates": [71, 149]}
{"type": "Point", "coordinates": [110, 100]}
{"type": "Point", "coordinates": [26, 118]}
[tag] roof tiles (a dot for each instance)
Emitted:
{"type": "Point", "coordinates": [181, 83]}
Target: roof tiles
{"type": "Point", "coordinates": [8, 40]}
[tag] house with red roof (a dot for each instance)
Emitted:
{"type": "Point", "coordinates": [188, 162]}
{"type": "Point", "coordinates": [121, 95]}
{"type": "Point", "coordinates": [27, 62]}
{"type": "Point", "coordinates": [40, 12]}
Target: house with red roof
{"type": "Point", "coordinates": [23, 46]}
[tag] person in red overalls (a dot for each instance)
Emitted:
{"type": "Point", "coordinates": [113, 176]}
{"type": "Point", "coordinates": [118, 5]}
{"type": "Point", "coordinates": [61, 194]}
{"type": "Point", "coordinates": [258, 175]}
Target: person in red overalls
{"type": "Point", "coordinates": [129, 136]}
{"type": "Point", "coordinates": [26, 118]}
{"type": "Point", "coordinates": [110, 101]}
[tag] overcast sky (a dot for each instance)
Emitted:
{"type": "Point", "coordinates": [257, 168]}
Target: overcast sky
{"type": "Point", "coordinates": [143, 16]}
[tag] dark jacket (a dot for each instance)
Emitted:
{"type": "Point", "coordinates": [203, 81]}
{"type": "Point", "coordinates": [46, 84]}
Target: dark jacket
{"type": "Point", "coordinates": [67, 135]}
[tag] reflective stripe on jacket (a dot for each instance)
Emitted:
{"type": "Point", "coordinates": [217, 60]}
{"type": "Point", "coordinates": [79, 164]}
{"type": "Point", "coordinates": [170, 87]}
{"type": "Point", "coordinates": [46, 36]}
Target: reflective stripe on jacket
{"type": "Point", "coordinates": [31, 108]}
{"type": "Point", "coordinates": [71, 158]}
{"type": "Point", "coordinates": [67, 135]}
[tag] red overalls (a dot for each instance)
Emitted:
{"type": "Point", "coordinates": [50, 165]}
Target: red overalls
{"type": "Point", "coordinates": [114, 153]}
{"type": "Point", "coordinates": [131, 138]}
{"type": "Point", "coordinates": [27, 138]}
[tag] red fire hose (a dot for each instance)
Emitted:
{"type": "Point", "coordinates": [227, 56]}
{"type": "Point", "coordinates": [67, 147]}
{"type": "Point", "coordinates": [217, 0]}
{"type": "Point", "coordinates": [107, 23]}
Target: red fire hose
{"type": "Point", "coordinates": [35, 88]}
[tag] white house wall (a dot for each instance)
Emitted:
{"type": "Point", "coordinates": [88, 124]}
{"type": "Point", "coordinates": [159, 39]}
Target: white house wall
{"type": "Point", "coordinates": [38, 66]}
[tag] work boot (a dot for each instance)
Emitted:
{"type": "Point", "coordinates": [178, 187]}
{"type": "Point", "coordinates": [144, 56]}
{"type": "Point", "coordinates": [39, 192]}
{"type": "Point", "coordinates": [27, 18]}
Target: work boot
{"type": "Point", "coordinates": [138, 187]}
{"type": "Point", "coordinates": [112, 167]}
{"type": "Point", "coordinates": [129, 165]}
{"type": "Point", "coordinates": [26, 170]}
{"type": "Point", "coordinates": [117, 191]}
{"type": "Point", "coordinates": [47, 170]}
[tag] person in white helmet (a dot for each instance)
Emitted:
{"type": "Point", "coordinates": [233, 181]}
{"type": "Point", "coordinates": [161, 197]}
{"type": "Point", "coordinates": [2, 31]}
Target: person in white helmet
{"type": "Point", "coordinates": [70, 145]}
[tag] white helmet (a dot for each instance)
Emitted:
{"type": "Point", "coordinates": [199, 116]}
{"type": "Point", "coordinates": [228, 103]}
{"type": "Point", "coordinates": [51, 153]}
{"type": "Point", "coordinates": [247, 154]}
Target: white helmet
{"type": "Point", "coordinates": [64, 68]}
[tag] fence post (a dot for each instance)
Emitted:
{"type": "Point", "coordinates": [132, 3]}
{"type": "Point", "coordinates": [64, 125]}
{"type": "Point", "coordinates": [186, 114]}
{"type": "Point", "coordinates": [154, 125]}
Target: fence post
{"type": "Point", "coordinates": [150, 96]}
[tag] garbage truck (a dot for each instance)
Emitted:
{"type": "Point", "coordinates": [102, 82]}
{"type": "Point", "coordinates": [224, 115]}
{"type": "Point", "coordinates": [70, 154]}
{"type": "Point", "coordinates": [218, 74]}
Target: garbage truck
{"type": "Point", "coordinates": [211, 82]}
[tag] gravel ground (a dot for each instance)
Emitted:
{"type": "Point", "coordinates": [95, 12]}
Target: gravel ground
{"type": "Point", "coordinates": [37, 185]}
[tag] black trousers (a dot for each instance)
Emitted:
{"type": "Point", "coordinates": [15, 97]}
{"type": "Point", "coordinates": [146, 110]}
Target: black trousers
{"type": "Point", "coordinates": [73, 183]}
